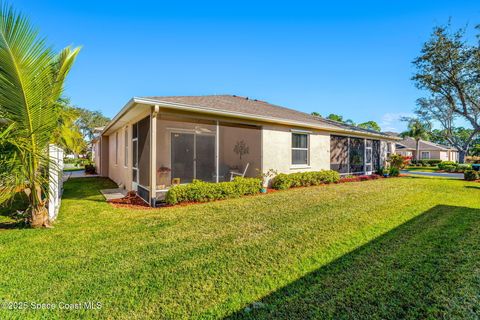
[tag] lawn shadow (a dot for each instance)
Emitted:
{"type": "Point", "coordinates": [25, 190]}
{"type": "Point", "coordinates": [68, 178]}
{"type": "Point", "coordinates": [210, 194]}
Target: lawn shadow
{"type": "Point", "coordinates": [425, 268]}
{"type": "Point", "coordinates": [473, 187]}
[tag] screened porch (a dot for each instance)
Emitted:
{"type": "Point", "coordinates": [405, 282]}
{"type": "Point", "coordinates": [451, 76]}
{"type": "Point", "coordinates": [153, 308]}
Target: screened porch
{"type": "Point", "coordinates": [187, 148]}
{"type": "Point", "coordinates": [352, 155]}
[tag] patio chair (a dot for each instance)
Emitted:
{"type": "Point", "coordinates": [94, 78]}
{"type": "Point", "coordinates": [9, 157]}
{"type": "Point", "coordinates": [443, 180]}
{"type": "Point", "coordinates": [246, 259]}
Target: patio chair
{"type": "Point", "coordinates": [239, 174]}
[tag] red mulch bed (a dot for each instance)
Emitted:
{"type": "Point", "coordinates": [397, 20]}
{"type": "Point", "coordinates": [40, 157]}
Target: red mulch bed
{"type": "Point", "coordinates": [360, 178]}
{"type": "Point", "coordinates": [131, 200]}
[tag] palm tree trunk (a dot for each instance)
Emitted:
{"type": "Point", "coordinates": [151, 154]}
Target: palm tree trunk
{"type": "Point", "coordinates": [417, 155]}
{"type": "Point", "coordinates": [39, 213]}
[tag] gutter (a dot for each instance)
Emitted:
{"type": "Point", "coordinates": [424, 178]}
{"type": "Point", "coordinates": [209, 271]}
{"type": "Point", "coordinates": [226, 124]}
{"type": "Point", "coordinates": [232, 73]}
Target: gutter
{"type": "Point", "coordinates": [194, 108]}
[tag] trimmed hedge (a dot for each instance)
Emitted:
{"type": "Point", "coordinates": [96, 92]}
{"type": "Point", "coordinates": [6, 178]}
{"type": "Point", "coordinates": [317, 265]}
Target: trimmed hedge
{"type": "Point", "coordinates": [444, 165]}
{"type": "Point", "coordinates": [462, 167]}
{"type": "Point", "coordinates": [426, 162]}
{"type": "Point", "coordinates": [471, 175]}
{"type": "Point", "coordinates": [200, 191]}
{"type": "Point", "coordinates": [285, 181]}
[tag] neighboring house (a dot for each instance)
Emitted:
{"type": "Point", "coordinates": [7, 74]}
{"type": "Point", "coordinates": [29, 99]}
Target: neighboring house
{"type": "Point", "coordinates": [428, 150]}
{"type": "Point", "coordinates": [155, 142]}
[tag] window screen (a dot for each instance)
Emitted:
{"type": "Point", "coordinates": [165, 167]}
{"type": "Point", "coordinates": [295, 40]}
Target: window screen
{"type": "Point", "coordinates": [299, 148]}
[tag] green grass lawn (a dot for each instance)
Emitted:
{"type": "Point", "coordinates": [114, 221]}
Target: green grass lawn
{"type": "Point", "coordinates": [422, 169]}
{"type": "Point", "coordinates": [391, 248]}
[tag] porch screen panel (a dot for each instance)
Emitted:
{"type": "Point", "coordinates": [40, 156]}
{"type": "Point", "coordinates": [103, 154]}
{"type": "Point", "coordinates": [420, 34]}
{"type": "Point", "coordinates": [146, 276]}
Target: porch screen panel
{"type": "Point", "coordinates": [144, 152]}
{"type": "Point", "coordinates": [183, 155]}
{"type": "Point", "coordinates": [357, 155]}
{"type": "Point", "coordinates": [185, 149]}
{"type": "Point", "coordinates": [339, 154]}
{"type": "Point", "coordinates": [205, 157]}
{"type": "Point", "coordinates": [239, 146]}
{"type": "Point", "coordinates": [376, 155]}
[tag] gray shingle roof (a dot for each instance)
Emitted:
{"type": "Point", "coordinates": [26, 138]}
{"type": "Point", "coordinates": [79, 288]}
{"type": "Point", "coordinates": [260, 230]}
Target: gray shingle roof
{"type": "Point", "coordinates": [410, 144]}
{"type": "Point", "coordinates": [245, 105]}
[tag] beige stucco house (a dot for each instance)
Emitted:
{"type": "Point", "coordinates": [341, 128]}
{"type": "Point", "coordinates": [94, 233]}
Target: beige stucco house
{"type": "Point", "coordinates": [428, 150]}
{"type": "Point", "coordinates": [155, 142]}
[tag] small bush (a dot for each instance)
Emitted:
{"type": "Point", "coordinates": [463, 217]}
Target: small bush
{"type": "Point", "coordinates": [443, 164]}
{"type": "Point", "coordinates": [90, 169]}
{"type": "Point", "coordinates": [303, 179]}
{"type": "Point", "coordinates": [462, 167]}
{"type": "Point", "coordinates": [450, 168]}
{"type": "Point", "coordinates": [394, 172]}
{"type": "Point", "coordinates": [397, 161]}
{"type": "Point", "coordinates": [434, 162]}
{"type": "Point", "coordinates": [470, 175]}
{"type": "Point", "coordinates": [200, 191]}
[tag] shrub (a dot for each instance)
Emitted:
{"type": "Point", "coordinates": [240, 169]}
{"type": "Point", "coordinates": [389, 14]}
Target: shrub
{"type": "Point", "coordinates": [443, 164]}
{"type": "Point", "coordinates": [433, 162]}
{"type": "Point", "coordinates": [450, 168]}
{"type": "Point", "coordinates": [303, 179]}
{"type": "Point", "coordinates": [90, 169]}
{"type": "Point", "coordinates": [397, 161]}
{"type": "Point", "coordinates": [200, 191]}
{"type": "Point", "coordinates": [462, 167]}
{"type": "Point", "coordinates": [394, 172]}
{"type": "Point", "coordinates": [470, 175]}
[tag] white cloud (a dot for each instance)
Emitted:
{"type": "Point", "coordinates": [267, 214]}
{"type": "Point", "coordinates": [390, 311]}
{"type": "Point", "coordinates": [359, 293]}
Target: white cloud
{"type": "Point", "coordinates": [391, 121]}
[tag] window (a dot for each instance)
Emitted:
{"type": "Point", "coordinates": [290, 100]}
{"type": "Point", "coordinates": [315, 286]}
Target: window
{"type": "Point", "coordinates": [299, 148]}
{"type": "Point", "coordinates": [425, 155]}
{"type": "Point", "coordinates": [125, 159]}
{"type": "Point", "coordinates": [116, 148]}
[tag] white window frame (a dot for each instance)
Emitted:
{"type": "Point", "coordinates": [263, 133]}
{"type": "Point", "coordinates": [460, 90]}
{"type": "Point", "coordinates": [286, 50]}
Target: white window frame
{"type": "Point", "coordinates": [125, 148]}
{"type": "Point", "coordinates": [302, 149]}
{"type": "Point", "coordinates": [424, 152]}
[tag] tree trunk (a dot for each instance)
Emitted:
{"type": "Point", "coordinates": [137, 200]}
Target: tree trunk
{"type": "Point", "coordinates": [39, 213]}
{"type": "Point", "coordinates": [417, 155]}
{"type": "Point", "coordinates": [39, 217]}
{"type": "Point", "coordinates": [461, 156]}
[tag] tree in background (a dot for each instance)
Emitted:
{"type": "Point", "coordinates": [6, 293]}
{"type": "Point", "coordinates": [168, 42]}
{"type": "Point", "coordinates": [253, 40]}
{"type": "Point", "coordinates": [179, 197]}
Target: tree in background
{"type": "Point", "coordinates": [335, 117]}
{"type": "Point", "coordinates": [417, 130]}
{"type": "Point", "coordinates": [449, 70]}
{"type": "Point", "coordinates": [31, 83]}
{"type": "Point", "coordinates": [316, 114]}
{"type": "Point", "coordinates": [438, 110]}
{"type": "Point", "coordinates": [88, 120]}
{"type": "Point", "coordinates": [339, 118]}
{"type": "Point", "coordinates": [370, 125]}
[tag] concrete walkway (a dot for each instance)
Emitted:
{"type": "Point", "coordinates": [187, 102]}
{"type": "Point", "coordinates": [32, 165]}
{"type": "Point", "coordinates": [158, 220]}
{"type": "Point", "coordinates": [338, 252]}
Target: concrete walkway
{"type": "Point", "coordinates": [77, 174]}
{"type": "Point", "coordinates": [111, 194]}
{"type": "Point", "coordinates": [435, 174]}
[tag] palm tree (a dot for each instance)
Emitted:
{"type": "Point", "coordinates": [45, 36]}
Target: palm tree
{"type": "Point", "coordinates": [417, 130]}
{"type": "Point", "coordinates": [31, 83]}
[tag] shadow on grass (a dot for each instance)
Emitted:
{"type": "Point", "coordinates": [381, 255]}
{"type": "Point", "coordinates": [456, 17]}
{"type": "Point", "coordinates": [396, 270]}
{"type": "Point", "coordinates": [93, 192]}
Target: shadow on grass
{"type": "Point", "coordinates": [473, 187]}
{"type": "Point", "coordinates": [426, 268]}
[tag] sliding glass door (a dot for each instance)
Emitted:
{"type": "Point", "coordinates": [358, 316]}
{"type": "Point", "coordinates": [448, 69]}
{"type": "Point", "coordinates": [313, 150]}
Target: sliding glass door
{"type": "Point", "coordinates": [192, 157]}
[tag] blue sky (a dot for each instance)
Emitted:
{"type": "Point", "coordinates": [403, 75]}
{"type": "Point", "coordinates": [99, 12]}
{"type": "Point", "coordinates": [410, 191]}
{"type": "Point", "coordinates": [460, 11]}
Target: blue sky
{"type": "Point", "coordinates": [347, 57]}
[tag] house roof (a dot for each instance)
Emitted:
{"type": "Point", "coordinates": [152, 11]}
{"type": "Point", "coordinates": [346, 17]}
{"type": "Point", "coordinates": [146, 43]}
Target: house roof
{"type": "Point", "coordinates": [260, 109]}
{"type": "Point", "coordinates": [410, 144]}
